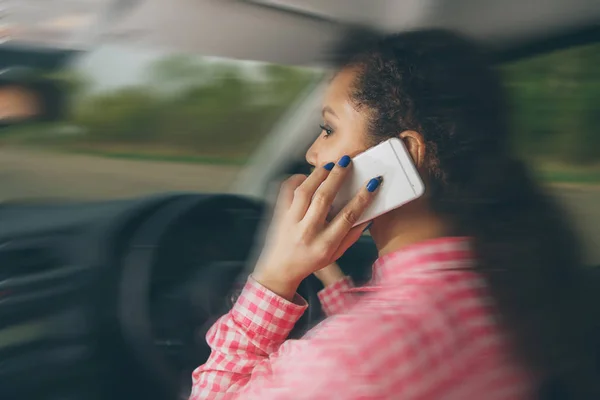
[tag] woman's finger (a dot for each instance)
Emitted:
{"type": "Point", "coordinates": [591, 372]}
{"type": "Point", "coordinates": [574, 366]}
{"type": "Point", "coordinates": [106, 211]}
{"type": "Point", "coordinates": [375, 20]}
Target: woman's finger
{"type": "Point", "coordinates": [341, 225]}
{"type": "Point", "coordinates": [286, 193]}
{"type": "Point", "coordinates": [323, 197]}
{"type": "Point", "coordinates": [303, 193]}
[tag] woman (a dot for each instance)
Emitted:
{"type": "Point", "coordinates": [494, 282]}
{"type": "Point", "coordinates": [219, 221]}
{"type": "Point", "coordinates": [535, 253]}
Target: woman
{"type": "Point", "coordinates": [477, 291]}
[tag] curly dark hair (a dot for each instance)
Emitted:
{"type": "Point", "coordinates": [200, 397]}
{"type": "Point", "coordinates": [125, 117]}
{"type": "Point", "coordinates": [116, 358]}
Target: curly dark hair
{"type": "Point", "coordinates": [442, 85]}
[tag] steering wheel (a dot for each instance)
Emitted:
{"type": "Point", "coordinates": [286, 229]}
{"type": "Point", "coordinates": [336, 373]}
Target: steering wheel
{"type": "Point", "coordinates": [172, 291]}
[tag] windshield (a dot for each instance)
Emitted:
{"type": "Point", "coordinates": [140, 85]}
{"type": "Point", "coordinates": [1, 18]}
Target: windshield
{"type": "Point", "coordinates": [141, 121]}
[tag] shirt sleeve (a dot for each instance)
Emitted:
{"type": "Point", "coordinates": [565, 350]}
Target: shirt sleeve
{"type": "Point", "coordinates": [335, 298]}
{"type": "Point", "coordinates": [251, 359]}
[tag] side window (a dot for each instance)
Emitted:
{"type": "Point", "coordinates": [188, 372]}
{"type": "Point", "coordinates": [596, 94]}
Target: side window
{"type": "Point", "coordinates": [140, 121]}
{"type": "Point", "coordinates": [556, 127]}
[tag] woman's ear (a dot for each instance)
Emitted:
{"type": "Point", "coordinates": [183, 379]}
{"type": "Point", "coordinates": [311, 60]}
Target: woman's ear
{"type": "Point", "coordinates": [415, 144]}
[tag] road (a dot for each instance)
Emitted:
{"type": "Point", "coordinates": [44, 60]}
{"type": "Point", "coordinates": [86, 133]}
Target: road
{"type": "Point", "coordinates": [34, 175]}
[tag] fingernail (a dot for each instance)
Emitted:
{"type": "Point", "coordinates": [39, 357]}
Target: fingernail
{"type": "Point", "coordinates": [329, 166]}
{"type": "Point", "coordinates": [374, 184]}
{"type": "Point", "coordinates": [344, 161]}
{"type": "Point", "coordinates": [368, 226]}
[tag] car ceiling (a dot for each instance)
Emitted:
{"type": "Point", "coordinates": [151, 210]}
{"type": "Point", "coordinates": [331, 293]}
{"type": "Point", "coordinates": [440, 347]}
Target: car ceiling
{"type": "Point", "coordinates": [300, 31]}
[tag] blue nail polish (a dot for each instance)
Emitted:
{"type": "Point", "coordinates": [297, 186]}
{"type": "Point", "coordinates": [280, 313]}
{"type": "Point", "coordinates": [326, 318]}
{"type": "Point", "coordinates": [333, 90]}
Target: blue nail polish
{"type": "Point", "coordinates": [368, 226]}
{"type": "Point", "coordinates": [344, 161]}
{"type": "Point", "coordinates": [329, 166]}
{"type": "Point", "coordinates": [373, 184]}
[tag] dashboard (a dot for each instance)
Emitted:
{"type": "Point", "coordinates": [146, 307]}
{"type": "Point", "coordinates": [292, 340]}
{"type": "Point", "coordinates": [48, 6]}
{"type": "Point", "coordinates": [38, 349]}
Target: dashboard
{"type": "Point", "coordinates": [109, 299]}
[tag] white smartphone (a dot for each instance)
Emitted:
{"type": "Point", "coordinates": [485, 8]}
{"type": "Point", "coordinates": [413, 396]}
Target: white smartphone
{"type": "Point", "coordinates": [401, 181]}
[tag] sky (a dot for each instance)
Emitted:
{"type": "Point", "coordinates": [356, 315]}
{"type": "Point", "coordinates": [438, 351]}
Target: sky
{"type": "Point", "coordinates": [113, 66]}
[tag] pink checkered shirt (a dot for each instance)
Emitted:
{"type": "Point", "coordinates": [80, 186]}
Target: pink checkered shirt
{"type": "Point", "coordinates": [423, 328]}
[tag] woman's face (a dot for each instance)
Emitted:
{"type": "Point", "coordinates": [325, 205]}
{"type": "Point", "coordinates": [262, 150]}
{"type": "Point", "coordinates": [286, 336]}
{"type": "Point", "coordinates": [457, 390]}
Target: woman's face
{"type": "Point", "coordinates": [343, 130]}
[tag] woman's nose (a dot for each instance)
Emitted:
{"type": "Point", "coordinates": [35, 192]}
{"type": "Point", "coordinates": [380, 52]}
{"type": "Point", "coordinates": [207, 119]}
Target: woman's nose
{"type": "Point", "coordinates": [311, 156]}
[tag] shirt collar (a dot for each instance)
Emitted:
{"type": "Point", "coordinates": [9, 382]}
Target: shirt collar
{"type": "Point", "coordinates": [431, 255]}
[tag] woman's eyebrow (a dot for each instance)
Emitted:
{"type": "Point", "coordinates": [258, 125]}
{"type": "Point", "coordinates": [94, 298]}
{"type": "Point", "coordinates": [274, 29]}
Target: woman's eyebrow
{"type": "Point", "coordinates": [328, 109]}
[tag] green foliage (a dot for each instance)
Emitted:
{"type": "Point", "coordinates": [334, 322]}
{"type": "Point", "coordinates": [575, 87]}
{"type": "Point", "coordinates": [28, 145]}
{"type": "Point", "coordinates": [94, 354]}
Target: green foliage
{"type": "Point", "coordinates": [127, 115]}
{"type": "Point", "coordinates": [193, 107]}
{"type": "Point", "coordinates": [205, 109]}
{"type": "Point", "coordinates": [177, 72]}
{"type": "Point", "coordinates": [555, 99]}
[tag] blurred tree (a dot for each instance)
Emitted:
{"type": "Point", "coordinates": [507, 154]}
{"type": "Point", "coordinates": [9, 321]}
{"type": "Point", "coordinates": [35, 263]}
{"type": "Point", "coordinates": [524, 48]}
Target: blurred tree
{"type": "Point", "coordinates": [285, 83]}
{"type": "Point", "coordinates": [227, 112]}
{"type": "Point", "coordinates": [554, 100]}
{"type": "Point", "coordinates": [176, 72]}
{"type": "Point", "coordinates": [127, 115]}
{"type": "Point", "coordinates": [220, 109]}
{"type": "Point", "coordinates": [196, 106]}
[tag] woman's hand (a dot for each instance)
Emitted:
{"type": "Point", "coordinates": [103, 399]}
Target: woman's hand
{"type": "Point", "coordinates": [300, 239]}
{"type": "Point", "coordinates": [330, 274]}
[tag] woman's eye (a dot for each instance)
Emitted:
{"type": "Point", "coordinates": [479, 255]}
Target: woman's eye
{"type": "Point", "coordinates": [327, 129]}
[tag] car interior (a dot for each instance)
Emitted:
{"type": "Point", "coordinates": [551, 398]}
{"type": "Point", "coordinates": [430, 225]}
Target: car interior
{"type": "Point", "coordinates": [112, 298]}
